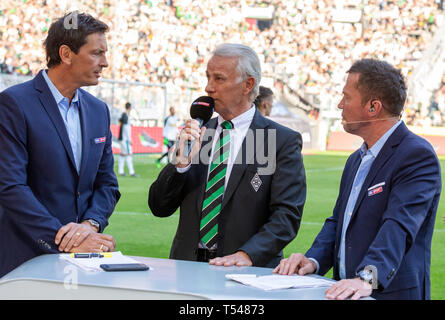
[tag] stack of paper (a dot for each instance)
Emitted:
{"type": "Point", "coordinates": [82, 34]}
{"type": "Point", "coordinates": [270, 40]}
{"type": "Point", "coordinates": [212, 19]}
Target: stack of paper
{"type": "Point", "coordinates": [274, 282]}
{"type": "Point", "coordinates": [93, 264]}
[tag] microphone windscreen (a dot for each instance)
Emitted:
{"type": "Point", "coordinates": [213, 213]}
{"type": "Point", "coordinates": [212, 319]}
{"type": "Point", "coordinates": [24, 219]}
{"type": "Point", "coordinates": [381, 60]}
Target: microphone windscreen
{"type": "Point", "coordinates": [202, 108]}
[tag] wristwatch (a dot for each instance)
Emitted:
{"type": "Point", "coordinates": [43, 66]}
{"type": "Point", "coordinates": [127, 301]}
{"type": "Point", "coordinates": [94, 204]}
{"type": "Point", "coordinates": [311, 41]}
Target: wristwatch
{"type": "Point", "coordinates": [366, 276]}
{"type": "Point", "coordinates": [94, 223]}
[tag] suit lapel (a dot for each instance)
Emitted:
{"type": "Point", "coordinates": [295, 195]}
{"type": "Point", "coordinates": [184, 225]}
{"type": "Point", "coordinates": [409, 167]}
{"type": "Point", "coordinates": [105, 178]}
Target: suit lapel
{"type": "Point", "coordinates": [355, 164]}
{"type": "Point", "coordinates": [84, 117]}
{"type": "Point", "coordinates": [385, 153]}
{"type": "Point", "coordinates": [49, 104]}
{"type": "Point", "coordinates": [241, 162]}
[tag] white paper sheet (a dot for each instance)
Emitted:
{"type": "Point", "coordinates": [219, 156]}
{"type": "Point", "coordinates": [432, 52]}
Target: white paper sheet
{"type": "Point", "coordinates": [275, 282]}
{"type": "Point", "coordinates": [93, 264]}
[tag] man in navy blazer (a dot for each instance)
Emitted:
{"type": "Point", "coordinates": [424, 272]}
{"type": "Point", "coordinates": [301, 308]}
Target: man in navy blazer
{"type": "Point", "coordinates": [57, 184]}
{"type": "Point", "coordinates": [378, 239]}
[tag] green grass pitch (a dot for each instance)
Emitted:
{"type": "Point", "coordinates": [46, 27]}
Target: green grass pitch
{"type": "Point", "coordinates": [138, 232]}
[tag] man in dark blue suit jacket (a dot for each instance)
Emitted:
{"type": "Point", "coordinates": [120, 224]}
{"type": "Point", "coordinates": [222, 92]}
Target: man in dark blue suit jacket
{"type": "Point", "coordinates": [57, 184]}
{"type": "Point", "coordinates": [378, 239]}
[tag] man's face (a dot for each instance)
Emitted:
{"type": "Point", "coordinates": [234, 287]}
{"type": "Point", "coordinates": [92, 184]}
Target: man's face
{"type": "Point", "coordinates": [224, 84]}
{"type": "Point", "coordinates": [352, 107]}
{"type": "Point", "coordinates": [266, 105]}
{"type": "Point", "coordinates": [88, 63]}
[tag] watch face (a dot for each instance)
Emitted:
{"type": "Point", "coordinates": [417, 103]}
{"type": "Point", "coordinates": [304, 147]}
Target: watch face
{"type": "Point", "coordinates": [93, 222]}
{"type": "Point", "coordinates": [366, 276]}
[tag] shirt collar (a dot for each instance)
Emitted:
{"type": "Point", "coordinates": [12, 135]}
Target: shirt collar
{"type": "Point", "coordinates": [375, 149]}
{"type": "Point", "coordinates": [243, 118]}
{"type": "Point", "coordinates": [55, 92]}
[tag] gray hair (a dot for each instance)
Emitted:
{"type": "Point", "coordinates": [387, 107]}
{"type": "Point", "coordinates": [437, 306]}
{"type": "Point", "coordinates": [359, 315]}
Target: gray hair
{"type": "Point", "coordinates": [248, 63]}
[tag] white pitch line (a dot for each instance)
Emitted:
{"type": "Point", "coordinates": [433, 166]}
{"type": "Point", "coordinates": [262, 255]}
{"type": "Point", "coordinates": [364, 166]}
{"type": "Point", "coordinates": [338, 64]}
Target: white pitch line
{"type": "Point", "coordinates": [313, 223]}
{"type": "Point", "coordinates": [325, 169]}
{"type": "Point", "coordinates": [130, 213]}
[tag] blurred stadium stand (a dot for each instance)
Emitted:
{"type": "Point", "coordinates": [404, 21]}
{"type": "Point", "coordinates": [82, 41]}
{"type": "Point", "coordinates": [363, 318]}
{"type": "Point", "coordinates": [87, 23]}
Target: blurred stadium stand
{"type": "Point", "coordinates": [158, 51]}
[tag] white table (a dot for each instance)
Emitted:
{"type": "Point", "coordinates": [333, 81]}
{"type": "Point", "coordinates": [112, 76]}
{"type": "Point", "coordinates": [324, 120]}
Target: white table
{"type": "Point", "coordinates": [48, 277]}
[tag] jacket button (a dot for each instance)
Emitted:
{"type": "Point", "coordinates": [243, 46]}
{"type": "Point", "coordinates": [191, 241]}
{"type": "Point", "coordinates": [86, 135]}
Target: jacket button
{"type": "Point", "coordinates": [391, 274]}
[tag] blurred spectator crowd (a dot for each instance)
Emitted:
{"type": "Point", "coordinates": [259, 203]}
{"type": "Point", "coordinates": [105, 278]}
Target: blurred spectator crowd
{"type": "Point", "coordinates": [433, 115]}
{"type": "Point", "coordinates": [168, 41]}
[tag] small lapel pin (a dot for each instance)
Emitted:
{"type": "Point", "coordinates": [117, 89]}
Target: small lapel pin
{"type": "Point", "coordinates": [256, 182]}
{"type": "Point", "coordinates": [375, 191]}
{"type": "Point", "coordinates": [100, 140]}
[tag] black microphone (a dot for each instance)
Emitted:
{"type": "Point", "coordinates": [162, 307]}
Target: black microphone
{"type": "Point", "coordinates": [201, 110]}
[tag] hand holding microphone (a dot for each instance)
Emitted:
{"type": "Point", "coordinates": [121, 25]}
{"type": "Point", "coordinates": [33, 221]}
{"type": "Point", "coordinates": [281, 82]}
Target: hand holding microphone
{"type": "Point", "coordinates": [186, 147]}
{"type": "Point", "coordinates": [186, 144]}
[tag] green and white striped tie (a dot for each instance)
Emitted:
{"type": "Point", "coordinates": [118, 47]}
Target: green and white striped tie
{"type": "Point", "coordinates": [211, 205]}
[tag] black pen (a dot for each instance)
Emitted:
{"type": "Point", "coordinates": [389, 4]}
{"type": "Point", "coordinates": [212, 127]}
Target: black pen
{"type": "Point", "coordinates": [87, 255]}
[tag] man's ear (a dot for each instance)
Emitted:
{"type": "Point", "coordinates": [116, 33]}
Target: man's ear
{"type": "Point", "coordinates": [65, 54]}
{"type": "Point", "coordinates": [375, 107]}
{"type": "Point", "coordinates": [250, 83]}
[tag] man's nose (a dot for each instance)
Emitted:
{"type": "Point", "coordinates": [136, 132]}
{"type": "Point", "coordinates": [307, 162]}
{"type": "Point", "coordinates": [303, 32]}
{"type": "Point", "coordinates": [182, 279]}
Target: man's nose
{"type": "Point", "coordinates": [340, 104]}
{"type": "Point", "coordinates": [209, 87]}
{"type": "Point", "coordinates": [104, 62]}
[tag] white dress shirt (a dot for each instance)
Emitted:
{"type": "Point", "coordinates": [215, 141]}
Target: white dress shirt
{"type": "Point", "coordinates": [237, 134]}
{"type": "Point", "coordinates": [240, 126]}
{"type": "Point", "coordinates": [71, 118]}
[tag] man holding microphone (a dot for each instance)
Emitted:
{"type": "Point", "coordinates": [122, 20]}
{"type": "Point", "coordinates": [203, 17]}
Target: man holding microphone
{"type": "Point", "coordinates": [231, 211]}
